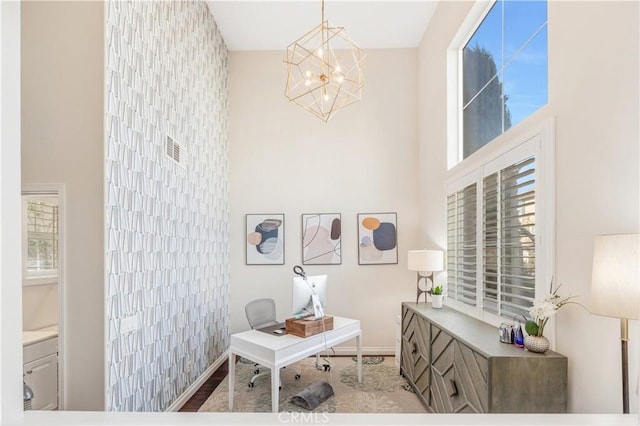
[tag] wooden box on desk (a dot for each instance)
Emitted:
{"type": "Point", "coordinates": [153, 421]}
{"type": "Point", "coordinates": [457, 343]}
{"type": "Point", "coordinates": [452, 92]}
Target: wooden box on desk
{"type": "Point", "coordinates": [305, 328]}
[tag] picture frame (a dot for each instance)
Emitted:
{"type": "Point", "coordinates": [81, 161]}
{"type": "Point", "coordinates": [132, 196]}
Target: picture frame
{"type": "Point", "coordinates": [321, 239]}
{"type": "Point", "coordinates": [377, 238]}
{"type": "Point", "coordinates": [264, 239]}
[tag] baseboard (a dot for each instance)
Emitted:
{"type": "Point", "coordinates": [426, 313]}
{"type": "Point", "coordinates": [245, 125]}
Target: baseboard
{"type": "Point", "coordinates": [193, 388]}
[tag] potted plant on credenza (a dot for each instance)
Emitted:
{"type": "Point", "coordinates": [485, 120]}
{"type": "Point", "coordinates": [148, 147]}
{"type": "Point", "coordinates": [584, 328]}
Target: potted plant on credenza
{"type": "Point", "coordinates": [437, 297]}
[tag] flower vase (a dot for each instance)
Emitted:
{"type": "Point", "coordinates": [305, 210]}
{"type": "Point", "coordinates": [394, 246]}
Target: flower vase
{"type": "Point", "coordinates": [538, 344]}
{"type": "Point", "coordinates": [436, 300]}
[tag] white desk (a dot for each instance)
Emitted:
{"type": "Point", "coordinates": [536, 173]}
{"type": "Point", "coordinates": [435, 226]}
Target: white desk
{"type": "Point", "coordinates": [275, 352]}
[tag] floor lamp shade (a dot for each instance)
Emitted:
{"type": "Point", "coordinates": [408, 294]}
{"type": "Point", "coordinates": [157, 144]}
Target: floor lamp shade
{"type": "Point", "coordinates": [615, 284]}
{"type": "Point", "coordinates": [615, 290]}
{"type": "Point", "coordinates": [425, 260]}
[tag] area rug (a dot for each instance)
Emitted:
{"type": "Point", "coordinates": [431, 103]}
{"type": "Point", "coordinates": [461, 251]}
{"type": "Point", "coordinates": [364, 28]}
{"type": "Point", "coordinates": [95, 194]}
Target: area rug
{"type": "Point", "coordinates": [382, 390]}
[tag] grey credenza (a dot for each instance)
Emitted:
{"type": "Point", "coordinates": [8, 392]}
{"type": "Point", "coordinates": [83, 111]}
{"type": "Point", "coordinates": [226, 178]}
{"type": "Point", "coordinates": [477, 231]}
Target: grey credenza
{"type": "Point", "coordinates": [456, 364]}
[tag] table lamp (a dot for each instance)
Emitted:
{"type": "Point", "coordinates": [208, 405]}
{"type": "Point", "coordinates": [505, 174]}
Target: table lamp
{"type": "Point", "coordinates": [615, 289]}
{"type": "Point", "coordinates": [425, 262]}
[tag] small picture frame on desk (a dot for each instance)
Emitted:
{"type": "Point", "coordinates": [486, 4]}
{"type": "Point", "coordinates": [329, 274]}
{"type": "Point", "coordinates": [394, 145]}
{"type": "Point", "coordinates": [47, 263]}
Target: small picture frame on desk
{"type": "Point", "coordinates": [264, 239]}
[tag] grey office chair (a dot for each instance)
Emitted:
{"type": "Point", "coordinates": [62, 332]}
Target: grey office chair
{"type": "Point", "coordinates": [261, 313]}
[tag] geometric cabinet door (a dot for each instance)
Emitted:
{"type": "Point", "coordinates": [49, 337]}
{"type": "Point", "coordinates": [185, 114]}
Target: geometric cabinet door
{"type": "Point", "coordinates": [415, 362]}
{"type": "Point", "coordinates": [459, 376]}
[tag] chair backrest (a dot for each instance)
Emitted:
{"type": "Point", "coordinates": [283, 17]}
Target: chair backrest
{"type": "Point", "coordinates": [261, 312]}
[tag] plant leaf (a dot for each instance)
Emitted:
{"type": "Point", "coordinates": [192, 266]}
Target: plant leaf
{"type": "Point", "coordinates": [531, 327]}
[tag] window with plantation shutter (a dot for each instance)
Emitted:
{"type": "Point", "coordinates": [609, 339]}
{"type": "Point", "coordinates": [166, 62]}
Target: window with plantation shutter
{"type": "Point", "coordinates": [509, 240]}
{"type": "Point", "coordinates": [500, 228]}
{"type": "Point", "coordinates": [462, 245]}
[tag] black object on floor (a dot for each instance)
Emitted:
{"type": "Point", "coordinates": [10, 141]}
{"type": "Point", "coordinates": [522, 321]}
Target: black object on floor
{"type": "Point", "coordinates": [313, 395]}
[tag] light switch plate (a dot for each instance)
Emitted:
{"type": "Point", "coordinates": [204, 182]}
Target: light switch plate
{"type": "Point", "coordinates": [129, 324]}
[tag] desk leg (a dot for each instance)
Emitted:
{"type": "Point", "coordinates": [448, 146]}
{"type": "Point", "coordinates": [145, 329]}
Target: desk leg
{"type": "Point", "coordinates": [359, 356]}
{"type": "Point", "coordinates": [275, 389]}
{"type": "Point", "coordinates": [232, 376]}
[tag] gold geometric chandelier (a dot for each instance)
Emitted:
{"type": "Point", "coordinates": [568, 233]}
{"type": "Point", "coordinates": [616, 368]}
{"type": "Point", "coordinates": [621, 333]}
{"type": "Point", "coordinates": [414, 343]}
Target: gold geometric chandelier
{"type": "Point", "coordinates": [324, 70]}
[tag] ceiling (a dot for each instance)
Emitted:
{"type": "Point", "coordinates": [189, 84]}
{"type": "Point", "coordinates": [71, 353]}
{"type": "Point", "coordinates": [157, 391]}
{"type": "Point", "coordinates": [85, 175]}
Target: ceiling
{"type": "Point", "coordinates": [273, 25]}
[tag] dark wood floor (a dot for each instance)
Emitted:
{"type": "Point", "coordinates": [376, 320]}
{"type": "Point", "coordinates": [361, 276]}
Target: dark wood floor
{"type": "Point", "coordinates": [201, 395]}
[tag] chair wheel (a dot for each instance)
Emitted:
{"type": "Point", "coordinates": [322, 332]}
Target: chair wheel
{"type": "Point", "coordinates": [327, 367]}
{"type": "Point", "coordinates": [297, 376]}
{"type": "Point", "coordinates": [256, 371]}
{"type": "Point", "coordinates": [251, 384]}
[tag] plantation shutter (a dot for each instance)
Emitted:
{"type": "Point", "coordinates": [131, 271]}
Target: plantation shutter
{"type": "Point", "coordinates": [462, 245]}
{"type": "Point", "coordinates": [509, 239]}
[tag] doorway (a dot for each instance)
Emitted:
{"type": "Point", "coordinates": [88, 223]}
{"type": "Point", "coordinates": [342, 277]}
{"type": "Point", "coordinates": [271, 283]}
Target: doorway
{"type": "Point", "coordinates": [43, 268]}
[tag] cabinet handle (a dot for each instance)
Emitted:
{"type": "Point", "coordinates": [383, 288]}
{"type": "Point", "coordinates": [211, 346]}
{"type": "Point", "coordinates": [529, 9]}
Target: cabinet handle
{"type": "Point", "coordinates": [29, 372]}
{"type": "Point", "coordinates": [415, 348]}
{"type": "Point", "coordinates": [453, 388]}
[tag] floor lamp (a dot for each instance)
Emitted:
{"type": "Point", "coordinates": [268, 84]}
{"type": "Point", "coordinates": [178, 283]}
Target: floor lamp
{"type": "Point", "coordinates": [615, 289]}
{"type": "Point", "coordinates": [425, 262]}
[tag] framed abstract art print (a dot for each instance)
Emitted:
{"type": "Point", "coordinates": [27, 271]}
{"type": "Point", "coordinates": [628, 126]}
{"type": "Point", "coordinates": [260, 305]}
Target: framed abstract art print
{"type": "Point", "coordinates": [264, 238]}
{"type": "Point", "coordinates": [377, 238]}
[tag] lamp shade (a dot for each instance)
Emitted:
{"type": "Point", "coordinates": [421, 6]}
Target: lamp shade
{"type": "Point", "coordinates": [615, 282]}
{"type": "Point", "coordinates": [425, 260]}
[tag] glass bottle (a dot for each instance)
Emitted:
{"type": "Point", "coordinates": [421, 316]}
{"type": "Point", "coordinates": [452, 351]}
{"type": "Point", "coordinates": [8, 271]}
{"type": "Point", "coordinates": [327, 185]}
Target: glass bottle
{"type": "Point", "coordinates": [518, 337]}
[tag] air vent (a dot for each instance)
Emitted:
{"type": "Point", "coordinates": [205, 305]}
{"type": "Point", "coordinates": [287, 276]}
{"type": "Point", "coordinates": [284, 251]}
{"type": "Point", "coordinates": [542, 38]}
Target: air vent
{"type": "Point", "coordinates": [175, 151]}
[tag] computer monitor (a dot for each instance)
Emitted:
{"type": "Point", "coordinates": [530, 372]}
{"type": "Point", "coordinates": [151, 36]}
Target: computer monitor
{"type": "Point", "coordinates": [302, 291]}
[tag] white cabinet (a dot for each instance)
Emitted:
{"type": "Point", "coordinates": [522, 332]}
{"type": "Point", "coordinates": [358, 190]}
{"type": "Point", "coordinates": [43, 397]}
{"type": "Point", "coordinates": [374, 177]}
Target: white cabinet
{"type": "Point", "coordinates": [41, 373]}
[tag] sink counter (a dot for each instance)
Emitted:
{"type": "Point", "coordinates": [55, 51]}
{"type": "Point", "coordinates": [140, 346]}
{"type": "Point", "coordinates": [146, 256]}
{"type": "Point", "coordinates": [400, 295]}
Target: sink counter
{"type": "Point", "coordinates": [34, 336]}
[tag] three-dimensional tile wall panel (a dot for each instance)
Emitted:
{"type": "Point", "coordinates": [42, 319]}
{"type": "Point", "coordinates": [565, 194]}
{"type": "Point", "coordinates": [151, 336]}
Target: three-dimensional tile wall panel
{"type": "Point", "coordinates": [167, 224]}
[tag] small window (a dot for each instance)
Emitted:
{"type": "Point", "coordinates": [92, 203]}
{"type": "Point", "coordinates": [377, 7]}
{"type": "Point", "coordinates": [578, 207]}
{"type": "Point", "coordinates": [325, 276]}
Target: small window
{"type": "Point", "coordinates": [40, 240]}
{"type": "Point", "coordinates": [504, 71]}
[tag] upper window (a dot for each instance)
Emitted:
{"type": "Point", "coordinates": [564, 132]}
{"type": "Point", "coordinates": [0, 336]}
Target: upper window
{"type": "Point", "coordinates": [504, 71]}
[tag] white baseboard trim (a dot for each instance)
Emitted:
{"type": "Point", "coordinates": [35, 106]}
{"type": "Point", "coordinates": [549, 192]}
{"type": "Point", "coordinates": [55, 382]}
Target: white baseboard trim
{"type": "Point", "coordinates": [188, 393]}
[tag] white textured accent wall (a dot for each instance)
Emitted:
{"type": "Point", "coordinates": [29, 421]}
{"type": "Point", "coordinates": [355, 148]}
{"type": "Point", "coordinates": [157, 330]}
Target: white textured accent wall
{"type": "Point", "coordinates": [167, 226]}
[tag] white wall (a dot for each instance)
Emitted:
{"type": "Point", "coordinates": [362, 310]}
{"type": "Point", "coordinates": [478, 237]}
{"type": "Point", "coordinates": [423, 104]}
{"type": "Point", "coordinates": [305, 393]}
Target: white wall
{"type": "Point", "coordinates": [62, 142]}
{"type": "Point", "coordinates": [285, 160]}
{"type": "Point", "coordinates": [593, 95]}
{"type": "Point", "coordinates": [39, 306]}
{"type": "Point", "coordinates": [594, 70]}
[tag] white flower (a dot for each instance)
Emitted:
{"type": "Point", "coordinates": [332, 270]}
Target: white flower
{"type": "Point", "coordinates": [547, 307]}
{"type": "Point", "coordinates": [543, 309]}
